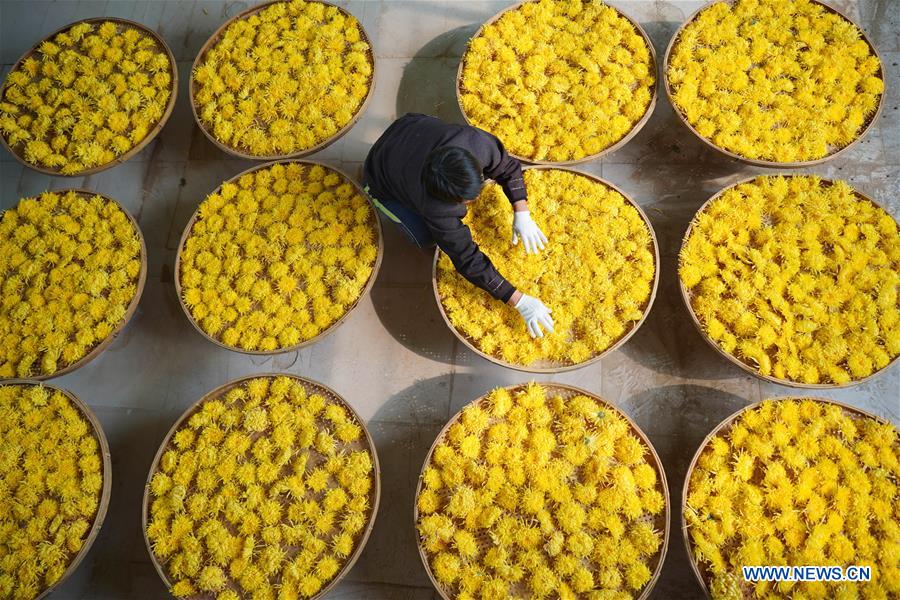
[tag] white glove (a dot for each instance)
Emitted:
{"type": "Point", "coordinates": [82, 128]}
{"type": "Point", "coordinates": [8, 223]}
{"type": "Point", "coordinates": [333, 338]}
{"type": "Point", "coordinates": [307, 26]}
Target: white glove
{"type": "Point", "coordinates": [532, 236]}
{"type": "Point", "coordinates": [535, 314]}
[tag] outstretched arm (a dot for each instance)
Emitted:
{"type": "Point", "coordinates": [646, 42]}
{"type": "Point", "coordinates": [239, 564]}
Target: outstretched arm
{"type": "Point", "coordinates": [497, 163]}
{"type": "Point", "coordinates": [524, 227]}
{"type": "Point", "coordinates": [535, 313]}
{"type": "Point", "coordinates": [454, 238]}
{"type": "Point", "coordinates": [507, 172]}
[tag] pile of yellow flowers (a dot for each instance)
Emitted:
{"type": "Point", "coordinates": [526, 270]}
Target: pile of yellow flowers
{"type": "Point", "coordinates": [283, 79]}
{"type": "Point", "coordinates": [263, 491]}
{"type": "Point", "coordinates": [776, 80]}
{"type": "Point", "coordinates": [533, 495]}
{"type": "Point", "coordinates": [51, 480]}
{"type": "Point", "coordinates": [278, 256]}
{"type": "Point", "coordinates": [70, 264]}
{"type": "Point", "coordinates": [798, 278]}
{"type": "Point", "coordinates": [596, 274]}
{"type": "Point", "coordinates": [86, 96]}
{"type": "Point", "coordinates": [558, 80]}
{"type": "Point", "coordinates": [797, 482]}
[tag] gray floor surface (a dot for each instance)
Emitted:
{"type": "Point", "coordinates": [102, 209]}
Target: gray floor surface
{"type": "Point", "coordinates": [393, 358]}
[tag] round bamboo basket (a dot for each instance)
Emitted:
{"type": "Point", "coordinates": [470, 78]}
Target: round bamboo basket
{"type": "Point", "coordinates": [173, 93]}
{"type": "Point", "coordinates": [701, 572]}
{"type": "Point", "coordinates": [661, 522]}
{"type": "Point", "coordinates": [686, 297]}
{"type": "Point", "coordinates": [311, 387]}
{"type": "Point", "coordinates": [300, 153]}
{"type": "Point", "coordinates": [771, 163]}
{"type": "Point", "coordinates": [327, 330]}
{"type": "Point", "coordinates": [105, 492]}
{"type": "Point", "coordinates": [129, 312]}
{"type": "Point", "coordinates": [610, 149]}
{"type": "Point", "coordinates": [553, 366]}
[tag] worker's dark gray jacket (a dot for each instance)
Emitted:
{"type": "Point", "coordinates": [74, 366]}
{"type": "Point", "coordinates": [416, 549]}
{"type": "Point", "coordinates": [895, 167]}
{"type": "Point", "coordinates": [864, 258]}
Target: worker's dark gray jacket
{"type": "Point", "coordinates": [393, 170]}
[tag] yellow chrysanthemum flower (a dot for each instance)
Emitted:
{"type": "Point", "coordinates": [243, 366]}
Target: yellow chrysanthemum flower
{"type": "Point", "coordinates": [51, 482]}
{"type": "Point", "coordinates": [558, 80]}
{"type": "Point", "coordinates": [70, 268]}
{"type": "Point", "coordinates": [87, 96]}
{"type": "Point", "coordinates": [775, 80]}
{"type": "Point", "coordinates": [283, 79]}
{"type": "Point", "coordinates": [249, 514]}
{"type": "Point", "coordinates": [558, 510]}
{"type": "Point", "coordinates": [597, 274]}
{"type": "Point", "coordinates": [820, 496]}
{"type": "Point", "coordinates": [278, 256]}
{"type": "Point", "coordinates": [797, 277]}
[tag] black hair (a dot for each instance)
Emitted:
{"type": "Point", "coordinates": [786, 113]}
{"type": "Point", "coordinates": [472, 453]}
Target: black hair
{"type": "Point", "coordinates": [452, 174]}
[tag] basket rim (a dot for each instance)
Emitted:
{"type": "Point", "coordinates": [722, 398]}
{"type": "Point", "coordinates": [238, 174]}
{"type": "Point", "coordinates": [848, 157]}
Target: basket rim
{"type": "Point", "coordinates": [760, 162]}
{"type": "Point", "coordinates": [639, 124]}
{"type": "Point", "coordinates": [368, 287]}
{"type": "Point", "coordinates": [105, 491]}
{"type": "Point", "coordinates": [132, 306]}
{"type": "Point", "coordinates": [151, 135]}
{"type": "Point", "coordinates": [551, 386]}
{"type": "Point", "coordinates": [723, 425]}
{"type": "Point", "coordinates": [214, 37]}
{"type": "Point", "coordinates": [686, 296]}
{"type": "Point", "coordinates": [217, 392]}
{"type": "Point", "coordinates": [564, 368]}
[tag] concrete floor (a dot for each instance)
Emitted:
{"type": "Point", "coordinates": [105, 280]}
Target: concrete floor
{"type": "Point", "coordinates": [394, 359]}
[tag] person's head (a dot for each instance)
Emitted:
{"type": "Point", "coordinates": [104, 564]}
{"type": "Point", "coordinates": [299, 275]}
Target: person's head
{"type": "Point", "coordinates": [452, 174]}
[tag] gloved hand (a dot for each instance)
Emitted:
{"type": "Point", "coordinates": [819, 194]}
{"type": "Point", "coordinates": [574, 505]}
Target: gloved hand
{"type": "Point", "coordinates": [524, 227]}
{"type": "Point", "coordinates": [535, 315]}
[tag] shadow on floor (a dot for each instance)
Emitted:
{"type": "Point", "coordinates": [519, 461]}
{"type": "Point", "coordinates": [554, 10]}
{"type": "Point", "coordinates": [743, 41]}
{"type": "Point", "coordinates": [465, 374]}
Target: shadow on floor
{"type": "Point", "coordinates": [428, 84]}
{"type": "Point", "coordinates": [391, 554]}
{"type": "Point", "coordinates": [410, 314]}
{"type": "Point", "coordinates": [121, 565]}
{"type": "Point", "coordinates": [403, 262]}
{"type": "Point", "coordinates": [668, 342]}
{"type": "Point", "coordinates": [695, 411]}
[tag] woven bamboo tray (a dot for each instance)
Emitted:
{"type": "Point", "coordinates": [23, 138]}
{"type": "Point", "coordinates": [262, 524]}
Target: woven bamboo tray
{"type": "Point", "coordinates": [312, 387]}
{"type": "Point", "coordinates": [686, 297]}
{"type": "Point", "coordinates": [771, 163]}
{"type": "Point", "coordinates": [375, 268]}
{"type": "Point", "coordinates": [129, 312]}
{"type": "Point", "coordinates": [546, 366]}
{"type": "Point", "coordinates": [300, 153]}
{"type": "Point", "coordinates": [105, 492]}
{"type": "Point", "coordinates": [627, 138]}
{"type": "Point", "coordinates": [701, 572]}
{"type": "Point", "coordinates": [660, 522]}
{"type": "Point", "coordinates": [173, 93]}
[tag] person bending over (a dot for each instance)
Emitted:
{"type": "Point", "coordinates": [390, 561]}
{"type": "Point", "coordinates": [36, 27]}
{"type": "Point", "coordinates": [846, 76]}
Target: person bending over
{"type": "Point", "coordinates": [422, 173]}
